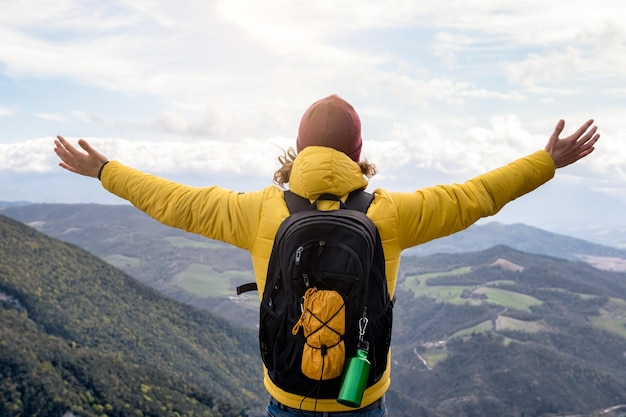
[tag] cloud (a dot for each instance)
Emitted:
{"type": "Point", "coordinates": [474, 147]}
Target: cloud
{"type": "Point", "coordinates": [217, 83]}
{"type": "Point", "coordinates": [52, 117]}
{"type": "Point", "coordinates": [247, 156]}
{"type": "Point", "coordinates": [541, 68]}
{"type": "Point", "coordinates": [463, 147]}
{"type": "Point", "coordinates": [26, 157]}
{"type": "Point", "coordinates": [8, 110]}
{"type": "Point", "coordinates": [184, 56]}
{"type": "Point", "coordinates": [118, 45]}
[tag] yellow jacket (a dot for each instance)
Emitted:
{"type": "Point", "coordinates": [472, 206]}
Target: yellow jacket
{"type": "Point", "coordinates": [250, 220]}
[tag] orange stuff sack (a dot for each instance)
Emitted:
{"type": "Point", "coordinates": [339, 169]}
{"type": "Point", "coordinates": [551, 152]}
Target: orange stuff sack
{"type": "Point", "coordinates": [323, 322]}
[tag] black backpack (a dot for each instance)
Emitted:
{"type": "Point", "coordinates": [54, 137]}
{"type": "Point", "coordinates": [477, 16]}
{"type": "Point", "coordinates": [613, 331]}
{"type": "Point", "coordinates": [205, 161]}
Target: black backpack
{"type": "Point", "coordinates": [318, 258]}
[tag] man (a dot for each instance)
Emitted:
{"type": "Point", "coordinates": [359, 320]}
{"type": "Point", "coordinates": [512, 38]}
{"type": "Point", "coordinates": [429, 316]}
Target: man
{"type": "Point", "coordinates": [328, 162]}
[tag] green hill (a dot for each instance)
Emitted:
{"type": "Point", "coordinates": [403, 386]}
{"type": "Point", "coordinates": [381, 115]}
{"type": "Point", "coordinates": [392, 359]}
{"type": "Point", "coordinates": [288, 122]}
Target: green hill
{"type": "Point", "coordinates": [506, 333]}
{"type": "Point", "coordinates": [79, 335]}
{"type": "Point", "coordinates": [181, 265]}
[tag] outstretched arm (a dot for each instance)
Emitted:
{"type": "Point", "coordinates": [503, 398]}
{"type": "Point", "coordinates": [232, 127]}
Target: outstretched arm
{"type": "Point", "coordinates": [86, 163]}
{"type": "Point", "coordinates": [576, 146]}
{"type": "Point", "coordinates": [438, 211]}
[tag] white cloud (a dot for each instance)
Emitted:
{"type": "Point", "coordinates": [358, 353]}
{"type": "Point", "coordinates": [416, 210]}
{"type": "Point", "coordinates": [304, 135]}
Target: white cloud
{"type": "Point", "coordinates": [445, 86]}
{"type": "Point", "coordinates": [52, 117]}
{"type": "Point", "coordinates": [184, 55]}
{"type": "Point", "coordinates": [247, 156]}
{"type": "Point", "coordinates": [541, 68]}
{"type": "Point", "coordinates": [8, 111]}
{"type": "Point", "coordinates": [496, 95]}
{"type": "Point", "coordinates": [421, 144]}
{"type": "Point", "coordinates": [27, 157]}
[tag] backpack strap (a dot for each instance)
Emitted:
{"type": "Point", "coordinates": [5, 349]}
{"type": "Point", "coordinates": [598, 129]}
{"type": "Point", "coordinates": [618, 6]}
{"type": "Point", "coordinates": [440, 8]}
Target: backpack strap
{"type": "Point", "coordinates": [251, 286]}
{"type": "Point", "coordinates": [296, 203]}
{"type": "Point", "coordinates": [357, 200]}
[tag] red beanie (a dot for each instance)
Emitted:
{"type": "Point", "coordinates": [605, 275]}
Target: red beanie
{"type": "Point", "coordinates": [331, 122]}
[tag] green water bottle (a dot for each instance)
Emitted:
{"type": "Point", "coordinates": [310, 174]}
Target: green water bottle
{"type": "Point", "coordinates": [354, 379]}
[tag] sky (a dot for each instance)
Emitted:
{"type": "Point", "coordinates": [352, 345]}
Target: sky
{"type": "Point", "coordinates": [209, 92]}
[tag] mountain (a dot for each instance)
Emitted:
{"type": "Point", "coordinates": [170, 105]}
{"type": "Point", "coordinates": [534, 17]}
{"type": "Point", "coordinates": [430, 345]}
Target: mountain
{"type": "Point", "coordinates": [109, 230]}
{"type": "Point", "coordinates": [127, 238]}
{"type": "Point", "coordinates": [184, 266]}
{"type": "Point", "coordinates": [493, 332]}
{"type": "Point", "coordinates": [204, 273]}
{"type": "Point", "coordinates": [78, 335]}
{"type": "Point", "coordinates": [507, 333]}
{"type": "Point", "coordinates": [571, 210]}
{"type": "Point", "coordinates": [528, 239]}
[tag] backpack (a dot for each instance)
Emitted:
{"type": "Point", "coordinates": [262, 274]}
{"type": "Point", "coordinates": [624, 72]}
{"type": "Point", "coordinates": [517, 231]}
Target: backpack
{"type": "Point", "coordinates": [325, 296]}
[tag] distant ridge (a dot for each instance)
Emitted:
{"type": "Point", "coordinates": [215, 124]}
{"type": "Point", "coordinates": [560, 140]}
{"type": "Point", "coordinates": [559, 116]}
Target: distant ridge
{"type": "Point", "coordinates": [14, 203]}
{"type": "Point", "coordinates": [521, 237]}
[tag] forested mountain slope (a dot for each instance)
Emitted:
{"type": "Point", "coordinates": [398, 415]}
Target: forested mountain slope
{"type": "Point", "coordinates": [78, 333]}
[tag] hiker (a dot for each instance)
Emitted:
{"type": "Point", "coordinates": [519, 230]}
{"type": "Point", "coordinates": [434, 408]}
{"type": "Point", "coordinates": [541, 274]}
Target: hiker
{"type": "Point", "coordinates": [328, 161]}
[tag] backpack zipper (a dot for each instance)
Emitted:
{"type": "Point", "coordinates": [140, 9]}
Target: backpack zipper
{"type": "Point", "coordinates": [321, 244]}
{"type": "Point", "coordinates": [299, 254]}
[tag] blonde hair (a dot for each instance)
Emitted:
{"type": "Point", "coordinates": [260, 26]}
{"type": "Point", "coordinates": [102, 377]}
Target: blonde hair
{"type": "Point", "coordinates": [281, 177]}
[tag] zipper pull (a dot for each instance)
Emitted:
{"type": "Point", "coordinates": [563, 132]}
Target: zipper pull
{"type": "Point", "coordinates": [320, 248]}
{"type": "Point", "coordinates": [299, 255]}
{"type": "Point", "coordinates": [305, 277]}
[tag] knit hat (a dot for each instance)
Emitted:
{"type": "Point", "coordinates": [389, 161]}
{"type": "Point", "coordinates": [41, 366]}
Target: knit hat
{"type": "Point", "coordinates": [331, 122]}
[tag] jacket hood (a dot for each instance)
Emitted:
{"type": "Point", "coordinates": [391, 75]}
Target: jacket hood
{"type": "Point", "coordinates": [319, 170]}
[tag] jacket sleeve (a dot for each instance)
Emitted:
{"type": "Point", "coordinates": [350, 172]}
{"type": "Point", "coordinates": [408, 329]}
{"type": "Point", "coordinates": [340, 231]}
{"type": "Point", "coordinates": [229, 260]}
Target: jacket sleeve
{"type": "Point", "coordinates": [441, 210]}
{"type": "Point", "coordinates": [212, 212]}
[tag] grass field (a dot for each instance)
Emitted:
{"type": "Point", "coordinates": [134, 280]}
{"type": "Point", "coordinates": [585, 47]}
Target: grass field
{"type": "Point", "coordinates": [182, 242]}
{"type": "Point", "coordinates": [509, 299]}
{"type": "Point", "coordinates": [420, 280]}
{"type": "Point", "coordinates": [434, 356]}
{"type": "Point", "coordinates": [204, 281]}
{"type": "Point", "coordinates": [509, 323]}
{"type": "Point", "coordinates": [121, 261]}
{"type": "Point", "coordinates": [450, 293]}
{"type": "Point", "coordinates": [485, 326]}
{"type": "Point", "coordinates": [502, 323]}
{"type": "Point", "coordinates": [417, 284]}
{"type": "Point", "coordinates": [612, 317]}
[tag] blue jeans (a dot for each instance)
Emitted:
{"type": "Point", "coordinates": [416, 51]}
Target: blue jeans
{"type": "Point", "coordinates": [274, 410]}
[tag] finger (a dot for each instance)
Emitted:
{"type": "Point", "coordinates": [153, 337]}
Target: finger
{"type": "Point", "coordinates": [67, 146]}
{"type": "Point", "coordinates": [62, 140]}
{"type": "Point", "coordinates": [558, 129]}
{"type": "Point", "coordinates": [581, 130]}
{"type": "Point", "coordinates": [86, 146]}
{"type": "Point", "coordinates": [68, 167]}
{"type": "Point", "coordinates": [587, 152]}
{"type": "Point", "coordinates": [586, 149]}
{"type": "Point", "coordinates": [591, 142]}
{"type": "Point", "coordinates": [91, 151]}
{"type": "Point", "coordinates": [58, 143]}
{"type": "Point", "coordinates": [589, 135]}
{"type": "Point", "coordinates": [555, 135]}
{"type": "Point", "coordinates": [62, 152]}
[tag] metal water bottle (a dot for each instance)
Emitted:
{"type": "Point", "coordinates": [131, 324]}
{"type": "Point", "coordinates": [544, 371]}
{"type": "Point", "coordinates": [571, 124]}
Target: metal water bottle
{"type": "Point", "coordinates": [355, 378]}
